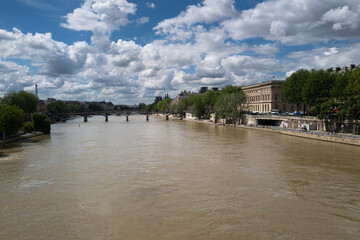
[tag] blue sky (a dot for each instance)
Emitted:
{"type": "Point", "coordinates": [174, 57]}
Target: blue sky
{"type": "Point", "coordinates": [130, 51]}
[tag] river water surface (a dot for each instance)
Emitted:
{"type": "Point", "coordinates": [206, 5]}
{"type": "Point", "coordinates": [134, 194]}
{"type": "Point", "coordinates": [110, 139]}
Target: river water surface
{"type": "Point", "coordinates": [177, 180]}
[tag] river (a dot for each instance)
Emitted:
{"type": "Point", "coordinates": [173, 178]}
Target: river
{"type": "Point", "coordinates": [177, 180]}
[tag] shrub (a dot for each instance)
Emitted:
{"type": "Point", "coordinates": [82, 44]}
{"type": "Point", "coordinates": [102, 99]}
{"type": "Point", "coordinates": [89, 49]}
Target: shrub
{"type": "Point", "coordinates": [41, 123]}
{"type": "Point", "coordinates": [28, 127]}
{"type": "Point", "coordinates": [11, 119]}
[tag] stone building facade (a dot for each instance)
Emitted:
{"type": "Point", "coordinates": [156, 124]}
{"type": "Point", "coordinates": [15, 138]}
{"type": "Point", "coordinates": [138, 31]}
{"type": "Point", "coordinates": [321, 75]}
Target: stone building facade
{"type": "Point", "coordinates": [266, 96]}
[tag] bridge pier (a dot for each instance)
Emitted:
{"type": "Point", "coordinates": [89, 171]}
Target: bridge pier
{"type": "Point", "coordinates": [85, 118]}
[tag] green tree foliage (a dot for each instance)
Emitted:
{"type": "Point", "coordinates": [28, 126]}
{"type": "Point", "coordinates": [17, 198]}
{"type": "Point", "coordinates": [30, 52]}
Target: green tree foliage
{"type": "Point", "coordinates": [28, 127]}
{"type": "Point", "coordinates": [291, 89]}
{"type": "Point", "coordinates": [202, 105]}
{"type": "Point", "coordinates": [61, 107]}
{"type": "Point", "coordinates": [350, 107]}
{"type": "Point", "coordinates": [56, 107]}
{"type": "Point", "coordinates": [230, 104]}
{"type": "Point", "coordinates": [24, 100]}
{"type": "Point", "coordinates": [163, 106]}
{"type": "Point", "coordinates": [326, 93]}
{"type": "Point", "coordinates": [150, 107]}
{"type": "Point", "coordinates": [353, 86]}
{"type": "Point", "coordinates": [318, 87]}
{"type": "Point", "coordinates": [11, 119]}
{"type": "Point", "coordinates": [168, 103]}
{"type": "Point", "coordinates": [198, 106]}
{"type": "Point", "coordinates": [180, 106]}
{"type": "Point", "coordinates": [142, 106]}
{"type": "Point", "coordinates": [338, 90]}
{"type": "Point", "coordinates": [41, 122]}
{"type": "Point", "coordinates": [74, 108]}
{"type": "Point", "coordinates": [230, 89]}
{"type": "Point", "coordinates": [95, 107]}
{"type": "Point", "coordinates": [209, 99]}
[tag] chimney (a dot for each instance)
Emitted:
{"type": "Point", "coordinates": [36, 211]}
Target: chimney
{"type": "Point", "coordinates": [36, 90]}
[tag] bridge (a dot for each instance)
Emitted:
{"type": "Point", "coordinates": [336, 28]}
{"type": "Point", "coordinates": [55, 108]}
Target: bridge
{"type": "Point", "coordinates": [63, 117]}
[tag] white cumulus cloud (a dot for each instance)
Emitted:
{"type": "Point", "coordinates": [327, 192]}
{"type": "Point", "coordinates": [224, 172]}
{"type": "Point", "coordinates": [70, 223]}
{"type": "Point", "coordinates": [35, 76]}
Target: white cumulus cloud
{"type": "Point", "coordinates": [100, 17]}
{"type": "Point", "coordinates": [294, 22]}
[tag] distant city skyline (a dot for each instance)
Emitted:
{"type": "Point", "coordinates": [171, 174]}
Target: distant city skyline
{"type": "Point", "coordinates": [128, 52]}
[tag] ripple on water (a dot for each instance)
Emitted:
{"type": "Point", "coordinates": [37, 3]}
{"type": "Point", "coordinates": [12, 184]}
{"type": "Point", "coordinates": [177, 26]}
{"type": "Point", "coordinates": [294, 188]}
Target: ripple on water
{"type": "Point", "coordinates": [29, 185]}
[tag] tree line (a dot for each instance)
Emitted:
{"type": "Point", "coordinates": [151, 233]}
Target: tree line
{"type": "Point", "coordinates": [62, 107]}
{"type": "Point", "coordinates": [228, 104]}
{"type": "Point", "coordinates": [325, 93]}
{"type": "Point", "coordinates": [18, 112]}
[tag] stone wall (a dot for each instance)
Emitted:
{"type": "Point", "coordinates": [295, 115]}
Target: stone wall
{"type": "Point", "coordinates": [325, 125]}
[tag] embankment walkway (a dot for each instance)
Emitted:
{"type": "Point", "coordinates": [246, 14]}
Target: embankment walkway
{"type": "Point", "coordinates": [316, 135]}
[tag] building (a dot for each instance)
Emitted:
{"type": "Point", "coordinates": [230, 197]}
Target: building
{"type": "Point", "coordinates": [203, 89]}
{"type": "Point", "coordinates": [266, 96]}
{"type": "Point", "coordinates": [158, 99]}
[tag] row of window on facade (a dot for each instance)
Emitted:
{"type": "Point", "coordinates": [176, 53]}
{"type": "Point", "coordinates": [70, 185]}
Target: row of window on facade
{"type": "Point", "coordinates": [268, 108]}
{"type": "Point", "coordinates": [262, 98]}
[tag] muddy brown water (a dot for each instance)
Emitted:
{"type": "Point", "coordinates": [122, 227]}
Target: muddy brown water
{"type": "Point", "coordinates": [177, 180]}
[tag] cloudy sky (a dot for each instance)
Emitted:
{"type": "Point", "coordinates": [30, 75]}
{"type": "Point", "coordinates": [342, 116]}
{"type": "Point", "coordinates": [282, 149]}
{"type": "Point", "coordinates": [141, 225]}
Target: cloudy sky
{"type": "Point", "coordinates": [128, 51]}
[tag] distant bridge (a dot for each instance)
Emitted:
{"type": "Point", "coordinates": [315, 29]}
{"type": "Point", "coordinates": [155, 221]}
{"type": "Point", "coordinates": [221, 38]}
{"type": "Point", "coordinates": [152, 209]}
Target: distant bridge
{"type": "Point", "coordinates": [63, 117]}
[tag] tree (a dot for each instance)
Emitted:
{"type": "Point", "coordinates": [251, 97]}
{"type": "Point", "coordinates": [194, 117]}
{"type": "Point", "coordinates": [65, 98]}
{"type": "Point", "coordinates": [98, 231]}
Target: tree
{"type": "Point", "coordinates": [209, 99]}
{"type": "Point", "coordinates": [230, 89]}
{"type": "Point", "coordinates": [350, 107]}
{"type": "Point", "coordinates": [41, 122]}
{"type": "Point", "coordinates": [318, 85]}
{"type": "Point", "coordinates": [57, 107]}
{"type": "Point", "coordinates": [180, 106]}
{"type": "Point", "coordinates": [168, 103]}
{"type": "Point", "coordinates": [353, 86]}
{"type": "Point", "coordinates": [142, 106]}
{"type": "Point", "coordinates": [198, 106]}
{"type": "Point", "coordinates": [150, 107]}
{"type": "Point", "coordinates": [292, 88]}
{"type": "Point", "coordinates": [338, 90]}
{"type": "Point", "coordinates": [317, 89]}
{"type": "Point", "coordinates": [24, 100]}
{"type": "Point", "coordinates": [75, 108]}
{"type": "Point", "coordinates": [160, 106]}
{"type": "Point", "coordinates": [11, 119]}
{"type": "Point", "coordinates": [230, 103]}
{"type": "Point", "coordinates": [95, 107]}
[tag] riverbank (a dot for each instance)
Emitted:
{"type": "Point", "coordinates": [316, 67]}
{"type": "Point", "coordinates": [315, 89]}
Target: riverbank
{"type": "Point", "coordinates": [316, 135]}
{"type": "Point", "coordinates": [350, 139]}
{"type": "Point", "coordinates": [22, 137]}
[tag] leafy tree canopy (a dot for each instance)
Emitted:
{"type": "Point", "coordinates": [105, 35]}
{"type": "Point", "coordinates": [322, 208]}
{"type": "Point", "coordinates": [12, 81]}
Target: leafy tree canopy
{"type": "Point", "coordinates": [230, 103]}
{"type": "Point", "coordinates": [291, 89]}
{"type": "Point", "coordinates": [24, 100]}
{"type": "Point", "coordinates": [11, 119]}
{"type": "Point", "coordinates": [317, 86]}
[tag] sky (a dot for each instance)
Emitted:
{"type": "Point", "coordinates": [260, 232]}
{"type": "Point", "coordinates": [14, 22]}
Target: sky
{"type": "Point", "coordinates": [129, 51]}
